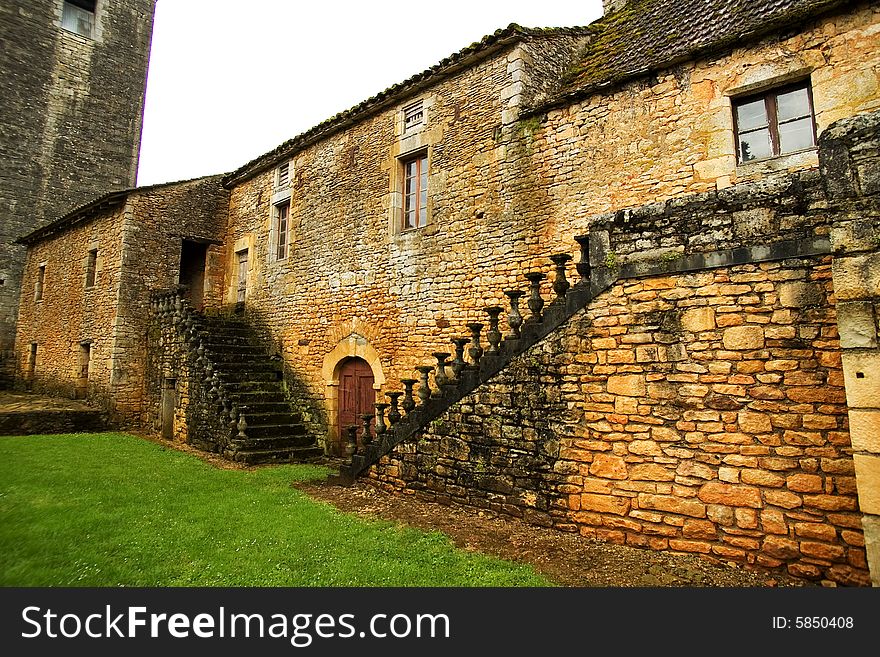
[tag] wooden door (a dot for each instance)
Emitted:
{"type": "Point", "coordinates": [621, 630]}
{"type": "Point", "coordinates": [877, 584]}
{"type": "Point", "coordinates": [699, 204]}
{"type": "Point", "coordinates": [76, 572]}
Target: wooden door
{"type": "Point", "coordinates": [242, 275]}
{"type": "Point", "coordinates": [356, 395]}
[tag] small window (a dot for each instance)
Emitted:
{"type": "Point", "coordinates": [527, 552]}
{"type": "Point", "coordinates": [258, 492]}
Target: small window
{"type": "Point", "coordinates": [415, 192]}
{"type": "Point", "coordinates": [282, 176]}
{"type": "Point", "coordinates": [281, 227]}
{"type": "Point", "coordinates": [776, 122]}
{"type": "Point", "coordinates": [78, 16]}
{"type": "Point", "coordinates": [413, 116]}
{"type": "Point", "coordinates": [91, 267]}
{"type": "Point", "coordinates": [41, 281]}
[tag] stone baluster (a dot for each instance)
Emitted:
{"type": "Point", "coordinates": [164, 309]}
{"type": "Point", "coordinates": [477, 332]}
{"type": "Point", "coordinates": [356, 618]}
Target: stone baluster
{"type": "Point", "coordinates": [408, 403]}
{"type": "Point", "coordinates": [476, 350]}
{"type": "Point", "coordinates": [380, 418]}
{"type": "Point", "coordinates": [514, 317]}
{"type": "Point", "coordinates": [352, 446]}
{"type": "Point", "coordinates": [366, 436]}
{"type": "Point", "coordinates": [424, 391]}
{"type": "Point", "coordinates": [394, 410]}
{"type": "Point", "coordinates": [458, 364]}
{"type": "Point", "coordinates": [242, 426]}
{"type": "Point", "coordinates": [201, 352]}
{"type": "Point", "coordinates": [440, 377]}
{"type": "Point", "coordinates": [535, 303]}
{"type": "Point", "coordinates": [561, 284]}
{"type": "Point", "coordinates": [583, 267]}
{"type": "Point", "coordinates": [493, 335]}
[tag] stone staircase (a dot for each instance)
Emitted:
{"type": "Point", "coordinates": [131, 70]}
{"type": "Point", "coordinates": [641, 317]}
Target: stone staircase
{"type": "Point", "coordinates": [397, 421]}
{"type": "Point", "coordinates": [241, 383]}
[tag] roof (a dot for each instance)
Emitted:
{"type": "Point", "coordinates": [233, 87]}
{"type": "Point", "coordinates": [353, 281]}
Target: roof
{"type": "Point", "coordinates": [448, 66]}
{"type": "Point", "coordinates": [648, 35]}
{"type": "Point", "coordinates": [96, 207]}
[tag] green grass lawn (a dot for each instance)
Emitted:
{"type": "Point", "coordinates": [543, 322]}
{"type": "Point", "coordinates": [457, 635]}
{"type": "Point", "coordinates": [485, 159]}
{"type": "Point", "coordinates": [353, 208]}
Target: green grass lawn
{"type": "Point", "coordinates": [115, 510]}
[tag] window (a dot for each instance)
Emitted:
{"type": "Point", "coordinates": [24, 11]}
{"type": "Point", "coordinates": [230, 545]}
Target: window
{"type": "Point", "coordinates": [91, 267]}
{"type": "Point", "coordinates": [282, 175]}
{"type": "Point", "coordinates": [776, 122]}
{"type": "Point", "coordinates": [280, 227]}
{"type": "Point", "coordinates": [32, 360]}
{"type": "Point", "coordinates": [415, 191]}
{"type": "Point", "coordinates": [413, 116]}
{"type": "Point", "coordinates": [242, 275]}
{"type": "Point", "coordinates": [41, 281]}
{"type": "Point", "coordinates": [78, 16]}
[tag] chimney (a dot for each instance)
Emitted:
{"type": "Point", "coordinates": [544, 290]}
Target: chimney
{"type": "Point", "coordinates": [612, 5]}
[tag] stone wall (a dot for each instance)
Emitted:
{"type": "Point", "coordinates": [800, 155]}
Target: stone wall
{"type": "Point", "coordinates": [719, 401]}
{"type": "Point", "coordinates": [71, 119]}
{"type": "Point", "coordinates": [671, 134]}
{"type": "Point", "coordinates": [697, 412]}
{"type": "Point", "coordinates": [398, 294]}
{"type": "Point", "coordinates": [70, 314]}
{"type": "Point", "coordinates": [138, 244]}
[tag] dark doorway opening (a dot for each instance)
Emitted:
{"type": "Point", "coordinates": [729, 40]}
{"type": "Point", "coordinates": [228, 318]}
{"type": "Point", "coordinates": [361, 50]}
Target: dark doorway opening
{"type": "Point", "coordinates": [169, 404]}
{"type": "Point", "coordinates": [82, 383]}
{"type": "Point", "coordinates": [356, 396]}
{"type": "Point", "coordinates": [192, 271]}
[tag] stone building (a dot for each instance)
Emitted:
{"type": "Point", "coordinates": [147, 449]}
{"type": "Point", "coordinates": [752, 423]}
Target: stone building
{"type": "Point", "coordinates": [700, 381]}
{"type": "Point", "coordinates": [72, 79]}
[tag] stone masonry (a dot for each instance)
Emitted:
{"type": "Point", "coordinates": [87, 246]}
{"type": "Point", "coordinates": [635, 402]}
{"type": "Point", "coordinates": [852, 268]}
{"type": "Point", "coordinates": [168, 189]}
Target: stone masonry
{"type": "Point", "coordinates": [71, 122]}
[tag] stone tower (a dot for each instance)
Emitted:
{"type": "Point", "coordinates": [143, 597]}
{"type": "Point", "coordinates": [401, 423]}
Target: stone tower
{"type": "Point", "coordinates": [72, 82]}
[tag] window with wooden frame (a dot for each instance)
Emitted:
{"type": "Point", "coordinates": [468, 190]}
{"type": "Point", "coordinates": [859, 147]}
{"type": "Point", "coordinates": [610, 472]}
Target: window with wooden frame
{"type": "Point", "coordinates": [280, 229]}
{"type": "Point", "coordinates": [413, 116]}
{"type": "Point", "coordinates": [78, 16]}
{"type": "Point", "coordinates": [415, 191]}
{"type": "Point", "coordinates": [775, 122]}
{"type": "Point", "coordinates": [91, 267]}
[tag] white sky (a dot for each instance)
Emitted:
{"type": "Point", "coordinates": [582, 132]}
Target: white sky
{"type": "Point", "coordinates": [231, 80]}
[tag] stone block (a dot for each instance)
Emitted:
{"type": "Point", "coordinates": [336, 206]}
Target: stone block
{"type": "Point", "coordinates": [605, 504]}
{"type": "Point", "coordinates": [857, 277]}
{"type": "Point", "coordinates": [608, 466]}
{"type": "Point", "coordinates": [864, 430]}
{"type": "Point", "coordinates": [804, 483]}
{"type": "Point", "coordinates": [780, 547]}
{"type": "Point", "coordinates": [671, 504]}
{"type": "Point", "coordinates": [628, 385]}
{"type": "Point", "coordinates": [697, 320]}
{"type": "Point", "coordinates": [856, 325]}
{"type": "Point", "coordinates": [800, 294]}
{"type": "Point", "coordinates": [861, 372]}
{"type": "Point", "coordinates": [738, 338]}
{"type": "Point", "coordinates": [717, 492]}
{"type": "Point", "coordinates": [754, 423]}
{"type": "Point", "coordinates": [868, 481]}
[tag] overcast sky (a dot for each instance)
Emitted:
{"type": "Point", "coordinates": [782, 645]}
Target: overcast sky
{"type": "Point", "coordinates": [231, 80]}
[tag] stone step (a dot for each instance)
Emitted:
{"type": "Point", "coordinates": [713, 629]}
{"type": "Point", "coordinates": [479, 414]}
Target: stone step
{"type": "Point", "coordinates": [258, 419]}
{"type": "Point", "coordinates": [233, 368]}
{"type": "Point", "coordinates": [234, 375]}
{"type": "Point", "coordinates": [269, 407]}
{"type": "Point", "coordinates": [293, 455]}
{"type": "Point", "coordinates": [268, 386]}
{"type": "Point", "coordinates": [253, 399]}
{"type": "Point", "coordinates": [277, 442]}
{"type": "Point", "coordinates": [274, 430]}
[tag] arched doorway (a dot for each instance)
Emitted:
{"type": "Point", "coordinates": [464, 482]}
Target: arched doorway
{"type": "Point", "coordinates": [357, 396]}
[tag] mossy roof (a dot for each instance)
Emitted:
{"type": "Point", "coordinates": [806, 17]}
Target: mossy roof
{"type": "Point", "coordinates": [648, 35]}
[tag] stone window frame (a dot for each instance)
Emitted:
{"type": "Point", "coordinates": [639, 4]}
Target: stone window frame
{"type": "Point", "coordinates": [769, 95]}
{"type": "Point", "coordinates": [417, 140]}
{"type": "Point", "coordinates": [74, 11]}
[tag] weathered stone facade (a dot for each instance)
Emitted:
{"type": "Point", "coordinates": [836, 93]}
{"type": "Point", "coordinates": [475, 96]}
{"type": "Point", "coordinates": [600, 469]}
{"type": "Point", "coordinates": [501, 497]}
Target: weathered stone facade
{"type": "Point", "coordinates": [71, 121]}
{"type": "Point", "coordinates": [705, 391]}
{"type": "Point", "coordinates": [136, 237]}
